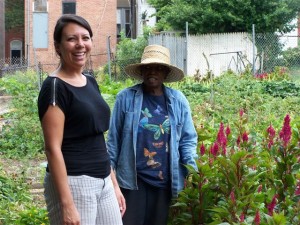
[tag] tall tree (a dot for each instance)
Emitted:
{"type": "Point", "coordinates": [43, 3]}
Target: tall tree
{"type": "Point", "coordinates": [14, 14]}
{"type": "Point", "coordinates": [211, 16]}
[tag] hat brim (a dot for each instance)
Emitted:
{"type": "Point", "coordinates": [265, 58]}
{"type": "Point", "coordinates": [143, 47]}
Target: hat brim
{"type": "Point", "coordinates": [134, 70]}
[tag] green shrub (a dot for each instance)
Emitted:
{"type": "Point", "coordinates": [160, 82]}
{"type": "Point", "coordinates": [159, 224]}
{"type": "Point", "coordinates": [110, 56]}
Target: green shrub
{"type": "Point", "coordinates": [242, 178]}
{"type": "Point", "coordinates": [21, 136]}
{"type": "Point", "coordinates": [33, 216]}
{"type": "Point", "coordinates": [292, 57]}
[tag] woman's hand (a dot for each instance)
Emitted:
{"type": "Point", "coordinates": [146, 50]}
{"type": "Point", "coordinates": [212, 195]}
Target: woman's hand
{"type": "Point", "coordinates": [70, 215]}
{"type": "Point", "coordinates": [121, 200]}
{"type": "Point", "coordinates": [119, 195]}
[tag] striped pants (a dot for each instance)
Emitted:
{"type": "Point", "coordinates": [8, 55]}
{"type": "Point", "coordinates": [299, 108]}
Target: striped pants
{"type": "Point", "coordinates": [94, 198]}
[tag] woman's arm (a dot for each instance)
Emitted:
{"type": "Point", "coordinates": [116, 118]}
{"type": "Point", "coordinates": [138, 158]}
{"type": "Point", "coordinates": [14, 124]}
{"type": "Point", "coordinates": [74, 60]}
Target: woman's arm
{"type": "Point", "coordinates": [53, 128]}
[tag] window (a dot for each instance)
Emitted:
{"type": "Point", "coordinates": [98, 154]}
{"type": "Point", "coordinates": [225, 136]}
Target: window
{"type": "Point", "coordinates": [40, 24]}
{"type": "Point", "coordinates": [16, 51]}
{"type": "Point", "coordinates": [69, 7]}
{"type": "Point", "coordinates": [40, 30]}
{"type": "Point", "coordinates": [40, 6]}
{"type": "Point", "coordinates": [124, 22]}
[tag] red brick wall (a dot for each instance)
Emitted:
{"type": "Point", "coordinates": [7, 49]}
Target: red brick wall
{"type": "Point", "coordinates": [100, 14]}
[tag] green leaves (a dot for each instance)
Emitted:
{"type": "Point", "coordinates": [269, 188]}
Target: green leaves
{"type": "Point", "coordinates": [238, 186]}
{"type": "Point", "coordinates": [211, 16]}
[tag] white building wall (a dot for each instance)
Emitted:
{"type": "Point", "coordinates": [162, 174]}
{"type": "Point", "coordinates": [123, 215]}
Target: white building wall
{"type": "Point", "coordinates": [290, 40]}
{"type": "Point", "coordinates": [222, 51]}
{"type": "Point", "coordinates": [142, 7]}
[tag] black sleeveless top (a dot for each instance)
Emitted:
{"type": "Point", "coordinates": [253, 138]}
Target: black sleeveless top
{"type": "Point", "coordinates": [87, 117]}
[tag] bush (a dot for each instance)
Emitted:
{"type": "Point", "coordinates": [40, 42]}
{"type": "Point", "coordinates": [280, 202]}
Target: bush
{"type": "Point", "coordinates": [21, 136]}
{"type": "Point", "coordinates": [291, 57]}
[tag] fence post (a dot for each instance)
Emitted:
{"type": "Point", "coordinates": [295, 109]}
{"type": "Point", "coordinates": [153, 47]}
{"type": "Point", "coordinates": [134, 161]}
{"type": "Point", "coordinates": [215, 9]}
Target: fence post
{"type": "Point", "coordinates": [186, 46]}
{"type": "Point", "coordinates": [253, 42]}
{"type": "Point", "coordinates": [108, 56]}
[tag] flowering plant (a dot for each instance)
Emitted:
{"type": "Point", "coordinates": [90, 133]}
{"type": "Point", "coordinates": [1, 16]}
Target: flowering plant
{"type": "Point", "coordinates": [243, 177]}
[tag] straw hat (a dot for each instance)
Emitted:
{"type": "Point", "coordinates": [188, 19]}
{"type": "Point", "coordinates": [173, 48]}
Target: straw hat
{"type": "Point", "coordinates": [155, 54]}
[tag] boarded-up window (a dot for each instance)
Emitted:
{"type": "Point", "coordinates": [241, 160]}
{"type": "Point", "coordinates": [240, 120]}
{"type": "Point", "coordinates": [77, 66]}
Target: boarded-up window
{"type": "Point", "coordinates": [40, 6]}
{"type": "Point", "coordinates": [40, 30]}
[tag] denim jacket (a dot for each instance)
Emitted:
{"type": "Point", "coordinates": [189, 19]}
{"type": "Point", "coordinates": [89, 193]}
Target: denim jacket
{"type": "Point", "coordinates": [122, 136]}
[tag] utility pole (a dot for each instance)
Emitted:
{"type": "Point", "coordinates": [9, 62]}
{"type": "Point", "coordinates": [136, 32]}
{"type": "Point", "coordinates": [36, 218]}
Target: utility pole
{"type": "Point", "coordinates": [2, 30]}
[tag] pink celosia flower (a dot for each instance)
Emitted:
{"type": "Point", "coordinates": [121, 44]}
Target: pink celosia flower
{"type": "Point", "coordinates": [221, 138]}
{"type": "Point", "coordinates": [272, 205]}
{"type": "Point", "coordinates": [232, 197]}
{"type": "Point", "coordinates": [214, 149]}
{"type": "Point", "coordinates": [257, 218]}
{"type": "Point", "coordinates": [261, 76]}
{"type": "Point", "coordinates": [286, 132]}
{"type": "Point", "coordinates": [242, 217]}
{"type": "Point", "coordinates": [271, 131]}
{"type": "Point", "coordinates": [202, 149]}
{"type": "Point", "coordinates": [270, 144]}
{"type": "Point", "coordinates": [271, 136]}
{"type": "Point", "coordinates": [241, 112]}
{"type": "Point", "coordinates": [238, 141]}
{"type": "Point", "coordinates": [297, 191]}
{"type": "Point", "coordinates": [259, 188]}
{"type": "Point", "coordinates": [227, 131]}
{"type": "Point", "coordinates": [245, 137]}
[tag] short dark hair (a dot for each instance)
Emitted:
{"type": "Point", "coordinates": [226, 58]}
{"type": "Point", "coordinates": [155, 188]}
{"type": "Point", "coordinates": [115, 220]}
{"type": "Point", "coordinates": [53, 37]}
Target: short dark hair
{"type": "Point", "coordinates": [65, 20]}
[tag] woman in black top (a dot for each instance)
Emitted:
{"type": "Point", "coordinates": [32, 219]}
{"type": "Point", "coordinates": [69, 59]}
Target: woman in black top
{"type": "Point", "coordinates": [79, 185]}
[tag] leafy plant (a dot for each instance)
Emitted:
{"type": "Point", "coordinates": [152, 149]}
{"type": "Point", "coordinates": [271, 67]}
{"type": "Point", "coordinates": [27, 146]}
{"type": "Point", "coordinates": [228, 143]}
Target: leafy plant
{"type": "Point", "coordinates": [21, 135]}
{"type": "Point", "coordinates": [229, 186]}
{"type": "Point", "coordinates": [33, 216]}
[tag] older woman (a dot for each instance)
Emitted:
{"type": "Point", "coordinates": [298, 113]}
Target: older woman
{"type": "Point", "coordinates": [151, 138]}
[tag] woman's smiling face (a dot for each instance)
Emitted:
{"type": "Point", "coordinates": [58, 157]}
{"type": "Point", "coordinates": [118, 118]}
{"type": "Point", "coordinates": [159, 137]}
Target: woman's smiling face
{"type": "Point", "coordinates": [75, 46]}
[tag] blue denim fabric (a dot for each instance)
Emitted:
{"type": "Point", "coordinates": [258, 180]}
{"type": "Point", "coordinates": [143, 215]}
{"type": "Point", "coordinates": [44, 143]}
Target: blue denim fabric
{"type": "Point", "coordinates": [122, 136]}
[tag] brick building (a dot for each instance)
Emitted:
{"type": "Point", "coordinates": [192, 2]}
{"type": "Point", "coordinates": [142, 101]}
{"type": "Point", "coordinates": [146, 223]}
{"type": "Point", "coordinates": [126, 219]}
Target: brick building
{"type": "Point", "coordinates": [2, 30]}
{"type": "Point", "coordinates": [40, 20]}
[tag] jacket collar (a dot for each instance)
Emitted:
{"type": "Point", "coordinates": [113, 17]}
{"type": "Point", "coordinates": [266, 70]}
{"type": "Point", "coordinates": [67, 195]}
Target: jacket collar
{"type": "Point", "coordinates": [139, 90]}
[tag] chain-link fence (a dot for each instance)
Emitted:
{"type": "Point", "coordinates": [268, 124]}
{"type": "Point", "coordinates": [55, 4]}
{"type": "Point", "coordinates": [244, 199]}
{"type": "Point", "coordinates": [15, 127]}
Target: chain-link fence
{"type": "Point", "coordinates": [11, 65]}
{"type": "Point", "coordinates": [118, 68]}
{"type": "Point", "coordinates": [217, 53]}
{"type": "Point", "coordinates": [205, 54]}
{"type": "Point", "coordinates": [277, 50]}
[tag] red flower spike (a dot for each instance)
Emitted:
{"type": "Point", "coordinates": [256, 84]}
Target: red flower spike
{"type": "Point", "coordinates": [245, 137]}
{"type": "Point", "coordinates": [214, 149]}
{"type": "Point", "coordinates": [259, 188]}
{"type": "Point", "coordinates": [238, 141]}
{"type": "Point", "coordinates": [257, 218]}
{"type": "Point", "coordinates": [286, 132]}
{"type": "Point", "coordinates": [227, 131]}
{"type": "Point", "coordinates": [241, 112]}
{"type": "Point", "coordinates": [297, 191]}
{"type": "Point", "coordinates": [232, 197]}
{"type": "Point", "coordinates": [242, 217]}
{"type": "Point", "coordinates": [222, 139]}
{"type": "Point", "coordinates": [272, 205]}
{"type": "Point", "coordinates": [271, 131]}
{"type": "Point", "coordinates": [202, 149]}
